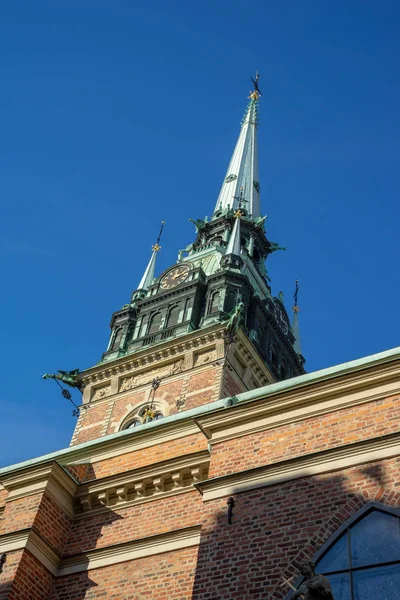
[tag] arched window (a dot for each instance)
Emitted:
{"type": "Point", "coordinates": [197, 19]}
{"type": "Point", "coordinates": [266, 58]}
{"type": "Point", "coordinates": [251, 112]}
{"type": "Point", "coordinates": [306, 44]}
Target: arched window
{"type": "Point", "coordinates": [188, 308]}
{"type": "Point", "coordinates": [173, 316]}
{"type": "Point", "coordinates": [117, 338]}
{"type": "Point", "coordinates": [214, 303]}
{"type": "Point", "coordinates": [133, 423]}
{"type": "Point", "coordinates": [154, 324]}
{"type": "Point", "coordinates": [138, 417]}
{"type": "Point", "coordinates": [363, 563]}
{"type": "Point", "coordinates": [274, 358]}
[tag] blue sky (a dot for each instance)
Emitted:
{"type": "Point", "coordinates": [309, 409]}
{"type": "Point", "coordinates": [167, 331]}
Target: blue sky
{"type": "Point", "coordinates": [116, 115]}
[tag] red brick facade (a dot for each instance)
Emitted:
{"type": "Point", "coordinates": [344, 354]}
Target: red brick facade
{"type": "Point", "coordinates": [143, 515]}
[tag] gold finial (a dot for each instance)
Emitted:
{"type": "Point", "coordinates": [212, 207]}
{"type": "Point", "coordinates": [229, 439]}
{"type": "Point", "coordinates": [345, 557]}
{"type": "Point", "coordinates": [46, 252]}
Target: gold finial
{"type": "Point", "coordinates": [254, 95]}
{"type": "Point", "coordinates": [156, 247]}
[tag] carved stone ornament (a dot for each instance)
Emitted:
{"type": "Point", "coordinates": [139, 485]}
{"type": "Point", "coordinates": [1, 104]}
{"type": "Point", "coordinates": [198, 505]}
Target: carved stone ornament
{"type": "Point", "coordinates": [135, 487]}
{"type": "Point", "coordinates": [127, 383]}
{"type": "Point", "coordinates": [205, 357]}
{"type": "Point", "coordinates": [102, 392]}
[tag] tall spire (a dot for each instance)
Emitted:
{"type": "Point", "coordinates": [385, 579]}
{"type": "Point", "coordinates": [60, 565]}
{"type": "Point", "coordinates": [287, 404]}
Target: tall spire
{"type": "Point", "coordinates": [241, 180]}
{"type": "Point", "coordinates": [295, 322]}
{"type": "Point", "coordinates": [148, 275]}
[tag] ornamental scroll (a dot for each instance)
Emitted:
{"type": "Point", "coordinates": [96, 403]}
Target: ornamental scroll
{"type": "Point", "coordinates": [134, 380]}
{"type": "Point", "coordinates": [205, 357]}
{"type": "Point", "coordinates": [102, 392]}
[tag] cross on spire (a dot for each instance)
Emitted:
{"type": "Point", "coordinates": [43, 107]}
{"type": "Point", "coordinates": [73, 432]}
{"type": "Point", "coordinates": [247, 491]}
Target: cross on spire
{"type": "Point", "coordinates": [241, 183]}
{"type": "Point", "coordinates": [256, 91]}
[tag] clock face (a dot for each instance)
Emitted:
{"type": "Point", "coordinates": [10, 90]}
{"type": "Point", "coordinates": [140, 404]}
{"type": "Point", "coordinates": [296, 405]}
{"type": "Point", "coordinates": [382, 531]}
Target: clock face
{"type": "Point", "coordinates": [175, 277]}
{"type": "Point", "coordinates": [279, 316]}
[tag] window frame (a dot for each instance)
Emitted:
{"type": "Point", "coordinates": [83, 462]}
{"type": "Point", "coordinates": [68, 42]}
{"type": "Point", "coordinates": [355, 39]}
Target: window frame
{"type": "Point", "coordinates": [342, 530]}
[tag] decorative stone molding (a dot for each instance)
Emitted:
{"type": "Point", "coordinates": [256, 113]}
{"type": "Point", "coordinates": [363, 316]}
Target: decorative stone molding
{"type": "Point", "coordinates": [202, 358]}
{"type": "Point", "coordinates": [308, 465]}
{"type": "Point", "coordinates": [49, 477]}
{"type": "Point", "coordinates": [94, 559]}
{"type": "Point", "coordinates": [247, 355]}
{"type": "Point", "coordinates": [127, 383]}
{"type": "Point", "coordinates": [150, 357]}
{"type": "Point", "coordinates": [101, 392]}
{"type": "Point", "coordinates": [139, 485]}
{"type": "Point", "coordinates": [30, 540]}
{"type": "Point", "coordinates": [157, 544]}
{"type": "Point", "coordinates": [159, 405]}
{"type": "Point", "coordinates": [270, 410]}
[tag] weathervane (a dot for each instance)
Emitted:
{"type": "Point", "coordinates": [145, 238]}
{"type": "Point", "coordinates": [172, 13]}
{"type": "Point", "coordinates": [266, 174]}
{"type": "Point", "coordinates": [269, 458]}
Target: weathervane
{"type": "Point", "coordinates": [256, 93]}
{"type": "Point", "coordinates": [157, 246]}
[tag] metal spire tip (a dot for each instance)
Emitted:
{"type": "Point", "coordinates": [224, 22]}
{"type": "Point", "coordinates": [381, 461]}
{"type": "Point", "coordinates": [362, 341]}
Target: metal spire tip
{"type": "Point", "coordinates": [295, 297]}
{"type": "Point", "coordinates": [157, 246]}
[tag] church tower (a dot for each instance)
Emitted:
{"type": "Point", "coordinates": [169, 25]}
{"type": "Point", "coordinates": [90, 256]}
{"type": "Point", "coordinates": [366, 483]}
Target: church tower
{"type": "Point", "coordinates": [206, 328]}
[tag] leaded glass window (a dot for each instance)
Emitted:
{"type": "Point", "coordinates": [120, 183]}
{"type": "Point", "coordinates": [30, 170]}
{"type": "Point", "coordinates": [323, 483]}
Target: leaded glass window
{"type": "Point", "coordinates": [364, 562]}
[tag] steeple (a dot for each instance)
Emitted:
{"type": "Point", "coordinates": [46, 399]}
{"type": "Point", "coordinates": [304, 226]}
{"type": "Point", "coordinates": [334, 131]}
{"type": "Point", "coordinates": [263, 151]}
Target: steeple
{"type": "Point", "coordinates": [223, 268]}
{"type": "Point", "coordinates": [148, 275]}
{"type": "Point", "coordinates": [295, 322]}
{"type": "Point", "coordinates": [241, 179]}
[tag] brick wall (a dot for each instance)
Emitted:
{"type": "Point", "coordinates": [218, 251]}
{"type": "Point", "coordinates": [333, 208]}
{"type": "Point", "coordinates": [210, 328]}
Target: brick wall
{"type": "Point", "coordinates": [273, 529]}
{"type": "Point", "coordinates": [52, 524]}
{"type": "Point", "coordinates": [25, 578]}
{"type": "Point", "coordinates": [276, 527]}
{"type": "Point", "coordinates": [139, 458]}
{"type": "Point", "coordinates": [134, 522]}
{"type": "Point", "coordinates": [166, 576]}
{"type": "Point", "coordinates": [309, 435]}
{"type": "Point", "coordinates": [20, 513]}
{"type": "Point", "coordinates": [192, 388]}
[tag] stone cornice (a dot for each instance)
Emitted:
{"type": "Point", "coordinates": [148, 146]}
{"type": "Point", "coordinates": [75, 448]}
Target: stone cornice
{"type": "Point", "coordinates": [157, 544]}
{"type": "Point", "coordinates": [139, 440]}
{"type": "Point", "coordinates": [30, 540]}
{"type": "Point", "coordinates": [283, 406]}
{"type": "Point", "coordinates": [164, 351]}
{"type": "Point", "coordinates": [49, 477]}
{"type": "Point", "coordinates": [307, 465]}
{"type": "Point", "coordinates": [161, 479]}
{"type": "Point", "coordinates": [253, 359]}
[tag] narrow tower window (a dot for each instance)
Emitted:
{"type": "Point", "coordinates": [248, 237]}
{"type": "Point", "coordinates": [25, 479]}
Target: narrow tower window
{"type": "Point", "coordinates": [154, 324]}
{"type": "Point", "coordinates": [173, 316]}
{"type": "Point", "coordinates": [214, 304]}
